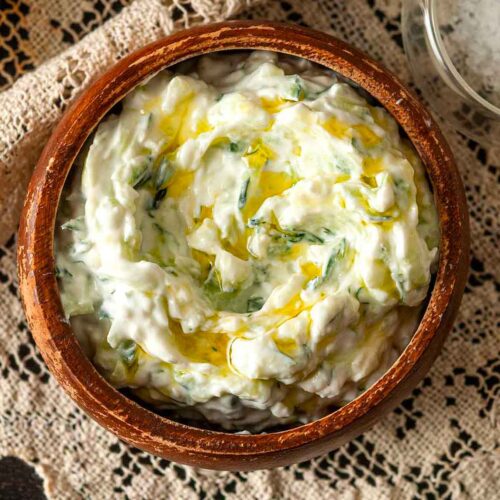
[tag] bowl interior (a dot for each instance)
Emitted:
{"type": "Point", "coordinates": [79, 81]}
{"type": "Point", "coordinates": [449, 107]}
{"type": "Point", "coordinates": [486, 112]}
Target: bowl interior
{"type": "Point", "coordinates": [184, 67]}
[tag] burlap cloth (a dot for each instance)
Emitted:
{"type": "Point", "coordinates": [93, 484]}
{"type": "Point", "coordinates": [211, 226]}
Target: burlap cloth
{"type": "Point", "coordinates": [443, 441]}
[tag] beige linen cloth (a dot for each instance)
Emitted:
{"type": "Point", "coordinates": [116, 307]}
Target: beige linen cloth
{"type": "Point", "coordinates": [441, 442]}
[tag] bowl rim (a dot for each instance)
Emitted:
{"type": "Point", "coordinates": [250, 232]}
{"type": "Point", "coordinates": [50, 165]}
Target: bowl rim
{"type": "Point", "coordinates": [180, 442]}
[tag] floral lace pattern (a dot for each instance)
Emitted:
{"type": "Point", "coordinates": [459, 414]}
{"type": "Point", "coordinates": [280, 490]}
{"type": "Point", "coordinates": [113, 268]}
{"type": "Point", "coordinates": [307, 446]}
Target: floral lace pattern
{"type": "Point", "coordinates": [441, 442]}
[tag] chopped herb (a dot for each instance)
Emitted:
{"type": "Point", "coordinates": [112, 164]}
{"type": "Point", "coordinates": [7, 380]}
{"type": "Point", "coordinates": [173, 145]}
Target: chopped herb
{"type": "Point", "coordinates": [288, 235]}
{"type": "Point", "coordinates": [233, 300]}
{"type": "Point", "coordinates": [234, 147]}
{"type": "Point", "coordinates": [357, 144]}
{"type": "Point", "coordinates": [384, 254]}
{"type": "Point", "coordinates": [400, 285]}
{"type": "Point", "coordinates": [142, 174]}
{"type": "Point", "coordinates": [74, 224]}
{"type": "Point", "coordinates": [62, 272]}
{"type": "Point", "coordinates": [315, 95]}
{"type": "Point", "coordinates": [280, 248]}
{"type": "Point", "coordinates": [401, 184]}
{"type": "Point", "coordinates": [160, 229]}
{"type": "Point", "coordinates": [254, 304]}
{"type": "Point", "coordinates": [301, 235]}
{"type": "Point", "coordinates": [160, 194]}
{"type": "Point", "coordinates": [360, 294]}
{"type": "Point", "coordinates": [163, 173]}
{"type": "Point", "coordinates": [243, 194]}
{"type": "Point", "coordinates": [103, 314]}
{"type": "Point", "coordinates": [254, 222]}
{"type": "Point", "coordinates": [215, 349]}
{"type": "Point", "coordinates": [82, 246]}
{"type": "Point", "coordinates": [337, 255]}
{"type": "Point", "coordinates": [379, 218]}
{"type": "Point", "coordinates": [329, 264]}
{"type": "Point", "coordinates": [291, 236]}
{"type": "Point", "coordinates": [297, 90]}
{"type": "Point", "coordinates": [213, 281]}
{"type": "Point", "coordinates": [219, 97]}
{"type": "Point", "coordinates": [342, 167]}
{"type": "Point", "coordinates": [128, 352]}
{"type": "Point", "coordinates": [307, 350]}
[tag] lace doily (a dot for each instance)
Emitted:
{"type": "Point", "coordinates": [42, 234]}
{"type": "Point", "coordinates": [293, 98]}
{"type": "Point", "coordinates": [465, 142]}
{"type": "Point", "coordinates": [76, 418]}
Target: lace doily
{"type": "Point", "coordinates": [441, 442]}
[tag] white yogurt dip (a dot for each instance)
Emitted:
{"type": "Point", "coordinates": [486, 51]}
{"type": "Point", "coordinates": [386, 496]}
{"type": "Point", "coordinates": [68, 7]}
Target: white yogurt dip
{"type": "Point", "coordinates": [249, 241]}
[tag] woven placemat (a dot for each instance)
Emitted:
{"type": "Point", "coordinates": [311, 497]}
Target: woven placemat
{"type": "Point", "coordinates": [441, 442]}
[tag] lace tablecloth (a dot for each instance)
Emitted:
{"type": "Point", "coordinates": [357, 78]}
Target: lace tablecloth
{"type": "Point", "coordinates": [441, 442]}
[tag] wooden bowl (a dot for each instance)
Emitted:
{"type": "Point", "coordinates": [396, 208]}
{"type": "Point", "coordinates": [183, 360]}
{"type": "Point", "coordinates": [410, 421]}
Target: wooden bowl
{"type": "Point", "coordinates": [190, 445]}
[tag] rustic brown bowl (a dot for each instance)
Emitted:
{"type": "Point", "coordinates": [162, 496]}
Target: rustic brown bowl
{"type": "Point", "coordinates": [190, 445]}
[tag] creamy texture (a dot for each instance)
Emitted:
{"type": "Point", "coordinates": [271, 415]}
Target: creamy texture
{"type": "Point", "coordinates": [249, 241]}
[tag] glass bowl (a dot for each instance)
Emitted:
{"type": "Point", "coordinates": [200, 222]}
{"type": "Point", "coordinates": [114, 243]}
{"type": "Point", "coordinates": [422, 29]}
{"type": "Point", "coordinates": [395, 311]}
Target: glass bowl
{"type": "Point", "coordinates": [453, 47]}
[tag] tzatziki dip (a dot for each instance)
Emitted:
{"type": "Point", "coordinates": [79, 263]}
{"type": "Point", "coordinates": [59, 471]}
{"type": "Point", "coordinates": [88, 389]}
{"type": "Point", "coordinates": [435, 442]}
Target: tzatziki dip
{"type": "Point", "coordinates": [248, 241]}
